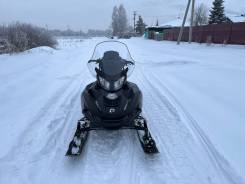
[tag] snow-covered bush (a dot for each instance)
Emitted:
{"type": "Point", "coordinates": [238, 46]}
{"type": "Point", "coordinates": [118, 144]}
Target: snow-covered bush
{"type": "Point", "coordinates": [26, 36]}
{"type": "Point", "coordinates": [18, 39]}
{"type": "Point", "coordinates": [4, 46]}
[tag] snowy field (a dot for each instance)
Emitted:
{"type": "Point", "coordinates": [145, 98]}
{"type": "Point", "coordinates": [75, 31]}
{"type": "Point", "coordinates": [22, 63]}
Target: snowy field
{"type": "Point", "coordinates": [194, 101]}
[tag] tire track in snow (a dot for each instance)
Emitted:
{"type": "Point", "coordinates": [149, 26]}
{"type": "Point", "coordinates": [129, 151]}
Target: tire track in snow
{"type": "Point", "coordinates": [184, 164]}
{"type": "Point", "coordinates": [41, 137]}
{"type": "Point", "coordinates": [44, 116]}
{"type": "Point", "coordinates": [162, 122]}
{"type": "Point", "coordinates": [221, 164]}
{"type": "Point", "coordinates": [214, 173]}
{"type": "Point", "coordinates": [28, 153]}
{"type": "Point", "coordinates": [33, 147]}
{"type": "Point", "coordinates": [150, 77]}
{"type": "Point", "coordinates": [50, 108]}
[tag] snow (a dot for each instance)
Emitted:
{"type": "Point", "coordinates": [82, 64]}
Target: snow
{"type": "Point", "coordinates": [173, 23]}
{"type": "Point", "coordinates": [236, 17]}
{"type": "Point", "coordinates": [208, 82]}
{"type": "Point", "coordinates": [193, 101]}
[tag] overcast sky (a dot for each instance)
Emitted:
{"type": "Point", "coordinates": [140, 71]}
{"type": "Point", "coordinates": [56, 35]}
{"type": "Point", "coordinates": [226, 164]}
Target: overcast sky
{"type": "Point", "coordinates": [96, 14]}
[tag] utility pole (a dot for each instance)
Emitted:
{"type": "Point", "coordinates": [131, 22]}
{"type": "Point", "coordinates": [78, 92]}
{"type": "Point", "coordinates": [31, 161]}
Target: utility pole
{"type": "Point", "coordinates": [192, 17]}
{"type": "Point", "coordinates": [183, 23]}
{"type": "Point", "coordinates": [184, 20]}
{"type": "Point", "coordinates": [134, 20]}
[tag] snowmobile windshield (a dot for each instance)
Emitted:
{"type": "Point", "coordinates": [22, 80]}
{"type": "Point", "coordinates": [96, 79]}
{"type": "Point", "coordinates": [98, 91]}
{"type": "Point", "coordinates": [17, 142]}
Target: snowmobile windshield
{"type": "Point", "coordinates": [111, 58]}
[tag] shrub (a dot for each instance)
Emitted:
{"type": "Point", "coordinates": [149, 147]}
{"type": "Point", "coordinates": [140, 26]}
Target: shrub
{"type": "Point", "coordinates": [26, 36]}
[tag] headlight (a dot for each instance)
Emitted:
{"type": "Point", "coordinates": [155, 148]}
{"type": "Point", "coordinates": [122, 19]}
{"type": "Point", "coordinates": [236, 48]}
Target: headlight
{"type": "Point", "coordinates": [118, 84]}
{"type": "Point", "coordinates": [113, 85]}
{"type": "Point", "coordinates": [104, 83]}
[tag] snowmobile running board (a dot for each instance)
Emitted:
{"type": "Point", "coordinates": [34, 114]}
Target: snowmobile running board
{"type": "Point", "coordinates": [83, 127]}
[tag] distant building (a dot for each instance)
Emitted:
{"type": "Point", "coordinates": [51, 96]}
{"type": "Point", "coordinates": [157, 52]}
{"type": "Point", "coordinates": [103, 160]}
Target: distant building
{"type": "Point", "coordinates": [227, 33]}
{"type": "Point", "coordinates": [157, 32]}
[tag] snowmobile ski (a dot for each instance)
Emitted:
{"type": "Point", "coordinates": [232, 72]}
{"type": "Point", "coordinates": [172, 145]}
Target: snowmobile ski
{"type": "Point", "coordinates": [147, 142]}
{"type": "Point", "coordinates": [80, 137]}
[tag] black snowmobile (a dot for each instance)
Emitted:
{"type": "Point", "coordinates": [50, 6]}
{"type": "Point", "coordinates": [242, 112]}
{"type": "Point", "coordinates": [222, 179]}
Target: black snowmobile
{"type": "Point", "coordinates": [111, 102]}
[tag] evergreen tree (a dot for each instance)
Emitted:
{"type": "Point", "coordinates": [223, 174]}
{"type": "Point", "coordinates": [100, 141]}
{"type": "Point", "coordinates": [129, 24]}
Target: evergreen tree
{"type": "Point", "coordinates": [217, 15]}
{"type": "Point", "coordinates": [157, 24]}
{"type": "Point", "coordinates": [140, 26]}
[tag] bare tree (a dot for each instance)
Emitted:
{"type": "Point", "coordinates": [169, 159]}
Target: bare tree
{"type": "Point", "coordinates": [119, 21]}
{"type": "Point", "coordinates": [201, 15]}
{"type": "Point", "coordinates": [122, 20]}
{"type": "Point", "coordinates": [114, 24]}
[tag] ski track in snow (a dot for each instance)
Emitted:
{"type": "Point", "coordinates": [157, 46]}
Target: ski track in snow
{"type": "Point", "coordinates": [186, 154]}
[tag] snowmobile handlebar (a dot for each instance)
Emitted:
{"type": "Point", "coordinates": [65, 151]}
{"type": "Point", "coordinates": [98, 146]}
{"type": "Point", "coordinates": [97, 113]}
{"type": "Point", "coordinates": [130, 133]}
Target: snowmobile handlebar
{"type": "Point", "coordinates": [98, 61]}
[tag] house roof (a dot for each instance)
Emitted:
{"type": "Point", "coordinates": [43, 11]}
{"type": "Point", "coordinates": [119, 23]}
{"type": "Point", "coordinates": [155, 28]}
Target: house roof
{"type": "Point", "coordinates": [236, 18]}
{"type": "Point", "coordinates": [178, 22]}
{"type": "Point", "coordinates": [174, 23]}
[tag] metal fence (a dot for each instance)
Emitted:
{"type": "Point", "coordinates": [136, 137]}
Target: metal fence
{"type": "Point", "coordinates": [218, 33]}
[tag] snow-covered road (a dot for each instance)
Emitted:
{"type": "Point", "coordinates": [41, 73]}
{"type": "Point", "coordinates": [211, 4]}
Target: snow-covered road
{"type": "Point", "coordinates": [187, 115]}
